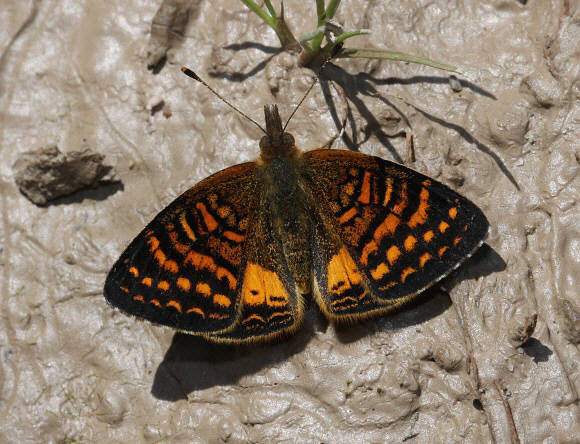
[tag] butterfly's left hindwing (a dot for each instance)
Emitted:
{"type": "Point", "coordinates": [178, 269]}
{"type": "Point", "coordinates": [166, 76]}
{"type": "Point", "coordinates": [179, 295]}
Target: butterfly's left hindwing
{"type": "Point", "coordinates": [387, 232]}
{"type": "Point", "coordinates": [271, 305]}
{"type": "Point", "coordinates": [184, 269]}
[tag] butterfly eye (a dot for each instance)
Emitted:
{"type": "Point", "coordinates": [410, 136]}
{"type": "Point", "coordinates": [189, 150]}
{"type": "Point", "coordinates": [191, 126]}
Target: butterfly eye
{"type": "Point", "coordinates": [265, 143]}
{"type": "Point", "coordinates": [287, 139]}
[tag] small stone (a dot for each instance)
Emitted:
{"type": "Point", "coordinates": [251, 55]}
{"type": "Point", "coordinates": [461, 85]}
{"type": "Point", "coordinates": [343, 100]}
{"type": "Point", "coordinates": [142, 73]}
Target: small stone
{"type": "Point", "coordinates": [519, 335]}
{"type": "Point", "coordinates": [47, 174]}
{"type": "Point", "coordinates": [455, 83]}
{"type": "Point", "coordinates": [570, 316]}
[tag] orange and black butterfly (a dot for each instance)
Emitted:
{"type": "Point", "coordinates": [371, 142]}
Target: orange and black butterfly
{"type": "Point", "coordinates": [232, 258]}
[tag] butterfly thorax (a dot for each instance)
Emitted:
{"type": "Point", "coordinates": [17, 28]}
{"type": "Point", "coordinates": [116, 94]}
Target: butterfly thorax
{"type": "Point", "coordinates": [284, 197]}
{"type": "Point", "coordinates": [276, 143]}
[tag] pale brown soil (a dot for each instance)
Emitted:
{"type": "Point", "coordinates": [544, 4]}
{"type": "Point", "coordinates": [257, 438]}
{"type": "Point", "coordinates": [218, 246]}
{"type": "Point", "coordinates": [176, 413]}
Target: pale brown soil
{"type": "Point", "coordinates": [451, 368]}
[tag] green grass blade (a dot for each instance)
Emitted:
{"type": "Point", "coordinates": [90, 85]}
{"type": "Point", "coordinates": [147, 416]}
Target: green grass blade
{"type": "Point", "coordinates": [331, 8]}
{"type": "Point", "coordinates": [398, 56]}
{"type": "Point", "coordinates": [349, 34]}
{"type": "Point", "coordinates": [271, 21]}
{"type": "Point", "coordinates": [320, 13]}
{"type": "Point", "coordinates": [271, 8]}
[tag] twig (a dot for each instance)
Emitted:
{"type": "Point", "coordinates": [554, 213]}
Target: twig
{"type": "Point", "coordinates": [508, 411]}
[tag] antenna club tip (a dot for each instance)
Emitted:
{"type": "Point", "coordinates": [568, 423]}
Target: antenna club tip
{"type": "Point", "coordinates": [188, 72]}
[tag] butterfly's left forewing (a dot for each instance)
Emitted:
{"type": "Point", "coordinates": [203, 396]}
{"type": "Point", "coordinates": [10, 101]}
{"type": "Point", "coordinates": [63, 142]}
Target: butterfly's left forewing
{"type": "Point", "coordinates": [385, 233]}
{"type": "Point", "coordinates": [210, 264]}
{"type": "Point", "coordinates": [184, 269]}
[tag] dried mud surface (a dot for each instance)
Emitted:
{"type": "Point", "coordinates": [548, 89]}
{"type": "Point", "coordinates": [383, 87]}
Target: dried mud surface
{"type": "Point", "coordinates": [452, 368]}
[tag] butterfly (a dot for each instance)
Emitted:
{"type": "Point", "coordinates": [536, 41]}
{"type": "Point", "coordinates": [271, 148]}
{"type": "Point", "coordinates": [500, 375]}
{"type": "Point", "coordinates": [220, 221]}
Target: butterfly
{"type": "Point", "coordinates": [233, 257]}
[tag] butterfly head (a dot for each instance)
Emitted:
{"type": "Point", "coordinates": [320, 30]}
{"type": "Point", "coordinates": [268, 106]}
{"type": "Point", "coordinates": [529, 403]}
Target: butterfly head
{"type": "Point", "coordinates": [276, 142]}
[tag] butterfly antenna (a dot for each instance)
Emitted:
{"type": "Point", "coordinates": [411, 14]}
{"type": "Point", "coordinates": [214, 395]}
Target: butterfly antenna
{"type": "Point", "coordinates": [330, 56]}
{"type": "Point", "coordinates": [188, 72]}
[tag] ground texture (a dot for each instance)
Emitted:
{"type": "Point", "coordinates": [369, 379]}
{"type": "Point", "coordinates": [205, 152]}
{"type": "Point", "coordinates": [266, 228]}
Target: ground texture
{"type": "Point", "coordinates": [452, 368]}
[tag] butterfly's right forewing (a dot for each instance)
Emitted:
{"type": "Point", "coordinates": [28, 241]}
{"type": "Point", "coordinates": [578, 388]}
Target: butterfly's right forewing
{"type": "Point", "coordinates": [395, 232]}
